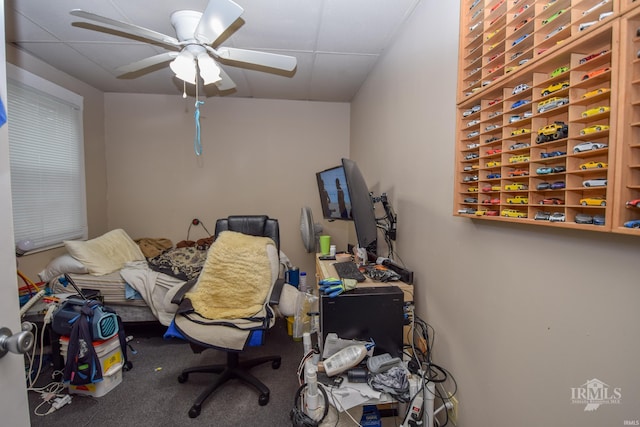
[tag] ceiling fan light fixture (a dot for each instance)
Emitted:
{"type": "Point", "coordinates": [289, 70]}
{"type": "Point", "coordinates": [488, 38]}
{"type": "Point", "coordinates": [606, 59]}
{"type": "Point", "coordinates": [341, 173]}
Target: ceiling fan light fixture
{"type": "Point", "coordinates": [184, 66]}
{"type": "Point", "coordinates": [209, 70]}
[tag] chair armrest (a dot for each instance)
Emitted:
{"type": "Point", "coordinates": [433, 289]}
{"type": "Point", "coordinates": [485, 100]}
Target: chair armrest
{"type": "Point", "coordinates": [177, 298]}
{"type": "Point", "coordinates": [274, 299]}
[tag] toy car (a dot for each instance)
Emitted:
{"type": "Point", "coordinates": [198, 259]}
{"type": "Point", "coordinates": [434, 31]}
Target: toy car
{"type": "Point", "coordinates": [554, 88]}
{"type": "Point", "coordinates": [582, 218]}
{"type": "Point", "coordinates": [552, 154]}
{"type": "Point", "coordinates": [491, 127]}
{"type": "Point", "coordinates": [497, 5]}
{"type": "Point", "coordinates": [516, 186]}
{"type": "Point", "coordinates": [592, 8]}
{"type": "Point", "coordinates": [473, 122]}
{"type": "Point", "coordinates": [593, 129]}
{"type": "Point", "coordinates": [523, 200]}
{"type": "Point", "coordinates": [519, 145]}
{"type": "Point", "coordinates": [470, 200]}
{"type": "Point", "coordinates": [470, 178]}
{"type": "Point", "coordinates": [552, 132]}
{"type": "Point", "coordinates": [544, 185]}
{"type": "Point", "coordinates": [593, 201]}
{"type": "Point", "coordinates": [518, 172]}
{"type": "Point", "coordinates": [552, 201]}
{"type": "Point", "coordinates": [598, 220]}
{"type": "Point", "coordinates": [473, 145]}
{"type": "Point", "coordinates": [552, 103]}
{"type": "Point", "coordinates": [519, 39]}
{"type": "Point", "coordinates": [542, 216]}
{"type": "Point", "coordinates": [517, 27]}
{"type": "Point", "coordinates": [595, 92]}
{"type": "Point", "coordinates": [557, 217]}
{"type": "Point", "coordinates": [472, 189]}
{"type": "Point", "coordinates": [492, 213]}
{"type": "Point", "coordinates": [520, 88]}
{"type": "Point", "coordinates": [635, 223]}
{"type": "Point", "coordinates": [471, 156]}
{"type": "Point", "coordinates": [519, 158]}
{"type": "Point", "coordinates": [557, 185]}
{"type": "Point", "coordinates": [558, 169]}
{"type": "Point", "coordinates": [586, 25]}
{"type": "Point", "coordinates": [595, 73]}
{"type": "Point", "coordinates": [493, 164]}
{"type": "Point", "coordinates": [596, 110]}
{"type": "Point", "coordinates": [520, 132]}
{"type": "Point", "coordinates": [493, 201]}
{"type": "Point", "coordinates": [554, 32]}
{"type": "Point", "coordinates": [473, 134]}
{"type": "Point", "coordinates": [593, 55]}
{"type": "Point", "coordinates": [493, 138]}
{"type": "Point", "coordinates": [470, 211]}
{"type": "Point", "coordinates": [519, 103]}
{"type": "Point", "coordinates": [588, 146]}
{"type": "Point", "coordinates": [494, 151]}
{"type": "Point", "coordinates": [493, 176]}
{"type": "Point", "coordinates": [544, 170]}
{"type": "Point", "coordinates": [558, 71]}
{"type": "Point", "coordinates": [593, 165]}
{"type": "Point", "coordinates": [552, 17]}
{"type": "Point", "coordinates": [549, 4]}
{"type": "Point", "coordinates": [633, 203]}
{"type": "Point", "coordinates": [513, 213]}
{"type": "Point", "coordinates": [494, 101]}
{"type": "Point", "coordinates": [595, 182]}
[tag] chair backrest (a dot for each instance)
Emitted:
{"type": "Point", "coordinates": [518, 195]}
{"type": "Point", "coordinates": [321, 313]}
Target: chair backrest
{"type": "Point", "coordinates": [254, 225]}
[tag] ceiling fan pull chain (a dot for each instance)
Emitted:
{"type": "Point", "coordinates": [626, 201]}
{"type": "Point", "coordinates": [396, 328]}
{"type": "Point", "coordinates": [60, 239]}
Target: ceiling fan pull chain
{"type": "Point", "coordinates": [197, 145]}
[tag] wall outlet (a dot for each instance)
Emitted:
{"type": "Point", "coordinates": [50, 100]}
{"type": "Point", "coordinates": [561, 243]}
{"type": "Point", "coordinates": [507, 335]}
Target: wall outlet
{"type": "Point", "coordinates": [453, 411]}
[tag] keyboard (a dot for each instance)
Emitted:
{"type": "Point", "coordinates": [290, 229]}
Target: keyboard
{"type": "Point", "coordinates": [349, 270]}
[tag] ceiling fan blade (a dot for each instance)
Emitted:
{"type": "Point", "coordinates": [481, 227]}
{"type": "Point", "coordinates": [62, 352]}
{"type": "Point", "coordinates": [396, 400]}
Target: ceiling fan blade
{"type": "Point", "coordinates": [216, 18]}
{"type": "Point", "coordinates": [226, 83]}
{"type": "Point", "coordinates": [265, 59]}
{"type": "Point", "coordinates": [129, 28]}
{"type": "Point", "coordinates": [147, 62]}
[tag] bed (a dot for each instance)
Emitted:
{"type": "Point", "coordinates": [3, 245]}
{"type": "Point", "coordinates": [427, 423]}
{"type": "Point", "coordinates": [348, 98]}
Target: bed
{"type": "Point", "coordinates": [138, 286]}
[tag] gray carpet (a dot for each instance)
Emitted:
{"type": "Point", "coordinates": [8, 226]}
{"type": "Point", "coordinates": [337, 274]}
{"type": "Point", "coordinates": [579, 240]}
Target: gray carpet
{"type": "Point", "coordinates": [150, 394]}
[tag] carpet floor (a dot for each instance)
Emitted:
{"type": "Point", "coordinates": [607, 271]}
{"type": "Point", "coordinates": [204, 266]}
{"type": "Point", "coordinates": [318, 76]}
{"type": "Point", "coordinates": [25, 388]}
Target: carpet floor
{"type": "Point", "coordinates": [150, 394]}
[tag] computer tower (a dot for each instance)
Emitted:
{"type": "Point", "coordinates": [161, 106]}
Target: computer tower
{"type": "Point", "coordinates": [366, 313]}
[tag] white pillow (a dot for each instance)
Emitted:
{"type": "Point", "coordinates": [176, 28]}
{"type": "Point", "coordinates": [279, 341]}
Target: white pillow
{"type": "Point", "coordinates": [107, 253]}
{"type": "Point", "coordinates": [61, 265]}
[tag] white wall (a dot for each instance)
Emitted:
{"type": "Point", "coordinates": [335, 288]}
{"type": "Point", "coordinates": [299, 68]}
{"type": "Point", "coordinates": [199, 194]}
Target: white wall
{"type": "Point", "coordinates": [522, 314]}
{"type": "Point", "coordinates": [259, 156]}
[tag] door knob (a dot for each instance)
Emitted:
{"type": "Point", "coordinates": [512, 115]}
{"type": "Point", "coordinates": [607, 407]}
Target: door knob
{"type": "Point", "coordinates": [19, 343]}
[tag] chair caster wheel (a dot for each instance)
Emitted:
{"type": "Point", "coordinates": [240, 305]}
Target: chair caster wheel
{"type": "Point", "coordinates": [182, 378]}
{"type": "Point", "coordinates": [275, 364]}
{"type": "Point", "coordinates": [194, 411]}
{"type": "Point", "coordinates": [263, 399]}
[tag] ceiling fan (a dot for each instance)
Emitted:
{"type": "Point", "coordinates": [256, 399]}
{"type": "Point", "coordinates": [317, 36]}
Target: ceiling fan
{"type": "Point", "coordinates": [192, 49]}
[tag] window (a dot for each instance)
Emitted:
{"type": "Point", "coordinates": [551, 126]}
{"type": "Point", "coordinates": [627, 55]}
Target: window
{"type": "Point", "coordinates": [47, 161]}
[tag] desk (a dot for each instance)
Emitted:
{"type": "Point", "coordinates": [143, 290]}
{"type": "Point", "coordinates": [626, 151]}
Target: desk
{"type": "Point", "coordinates": [326, 269]}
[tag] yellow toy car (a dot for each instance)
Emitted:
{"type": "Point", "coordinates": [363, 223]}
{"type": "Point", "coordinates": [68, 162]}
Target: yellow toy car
{"type": "Point", "coordinates": [493, 164]}
{"type": "Point", "coordinates": [595, 92]}
{"type": "Point", "coordinates": [596, 110]}
{"type": "Point", "coordinates": [593, 201]}
{"type": "Point", "coordinates": [520, 132]}
{"type": "Point", "coordinates": [554, 88]}
{"type": "Point", "coordinates": [519, 158]}
{"type": "Point", "coordinates": [512, 213]}
{"type": "Point", "coordinates": [593, 129]}
{"type": "Point", "coordinates": [522, 200]}
{"type": "Point", "coordinates": [593, 165]}
{"type": "Point", "coordinates": [515, 186]}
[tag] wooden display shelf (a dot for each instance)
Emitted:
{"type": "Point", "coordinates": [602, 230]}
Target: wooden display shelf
{"type": "Point", "coordinates": [509, 91]}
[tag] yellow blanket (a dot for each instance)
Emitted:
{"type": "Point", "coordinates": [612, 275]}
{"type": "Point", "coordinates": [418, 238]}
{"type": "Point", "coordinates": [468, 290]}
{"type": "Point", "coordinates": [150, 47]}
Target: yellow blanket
{"type": "Point", "coordinates": [236, 277]}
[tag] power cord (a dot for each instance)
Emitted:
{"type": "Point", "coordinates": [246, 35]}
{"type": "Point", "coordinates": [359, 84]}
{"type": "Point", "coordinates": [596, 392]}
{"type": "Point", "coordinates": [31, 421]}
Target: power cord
{"type": "Point", "coordinates": [299, 418]}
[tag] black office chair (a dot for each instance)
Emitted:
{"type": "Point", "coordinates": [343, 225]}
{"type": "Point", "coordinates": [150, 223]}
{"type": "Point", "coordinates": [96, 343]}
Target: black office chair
{"type": "Point", "coordinates": [233, 335]}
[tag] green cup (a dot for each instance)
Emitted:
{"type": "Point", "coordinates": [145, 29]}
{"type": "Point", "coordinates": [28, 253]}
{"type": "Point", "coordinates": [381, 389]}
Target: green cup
{"type": "Point", "coordinates": [325, 244]}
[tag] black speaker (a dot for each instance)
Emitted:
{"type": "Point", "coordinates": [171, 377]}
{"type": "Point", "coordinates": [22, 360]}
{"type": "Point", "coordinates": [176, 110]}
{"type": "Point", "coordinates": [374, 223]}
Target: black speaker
{"type": "Point", "coordinates": [366, 313]}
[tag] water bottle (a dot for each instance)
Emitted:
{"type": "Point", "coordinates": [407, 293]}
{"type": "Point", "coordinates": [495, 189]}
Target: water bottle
{"type": "Point", "coordinates": [303, 282]}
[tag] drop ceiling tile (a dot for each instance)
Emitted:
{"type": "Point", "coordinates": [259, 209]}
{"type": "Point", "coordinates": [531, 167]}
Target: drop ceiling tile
{"type": "Point", "coordinates": [337, 77]}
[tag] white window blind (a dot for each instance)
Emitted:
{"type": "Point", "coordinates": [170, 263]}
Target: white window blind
{"type": "Point", "coordinates": [47, 164]}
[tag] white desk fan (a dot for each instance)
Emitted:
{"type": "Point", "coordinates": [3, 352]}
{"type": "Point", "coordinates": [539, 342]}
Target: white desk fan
{"type": "Point", "coordinates": [309, 230]}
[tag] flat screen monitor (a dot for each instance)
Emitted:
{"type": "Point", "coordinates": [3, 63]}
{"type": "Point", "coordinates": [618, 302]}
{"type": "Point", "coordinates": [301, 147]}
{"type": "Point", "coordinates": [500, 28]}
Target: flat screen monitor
{"type": "Point", "coordinates": [361, 207]}
{"type": "Point", "coordinates": [334, 194]}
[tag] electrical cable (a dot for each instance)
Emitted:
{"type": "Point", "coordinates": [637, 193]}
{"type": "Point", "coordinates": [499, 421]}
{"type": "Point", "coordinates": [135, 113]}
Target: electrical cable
{"type": "Point", "coordinates": [298, 417]}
